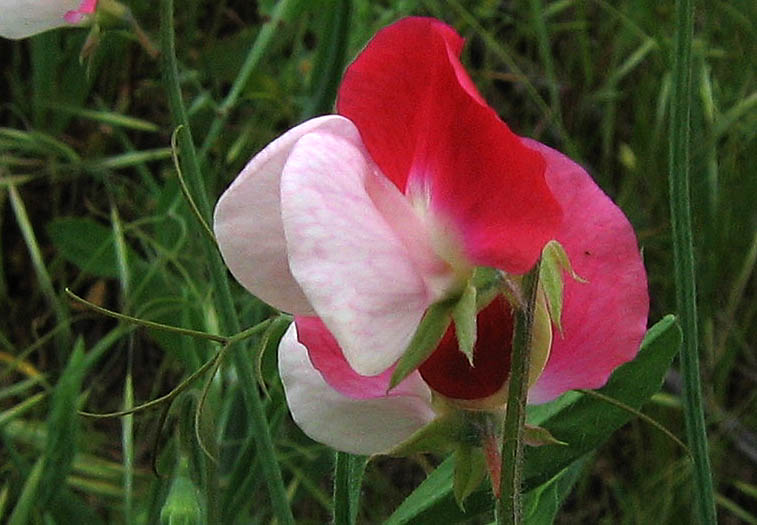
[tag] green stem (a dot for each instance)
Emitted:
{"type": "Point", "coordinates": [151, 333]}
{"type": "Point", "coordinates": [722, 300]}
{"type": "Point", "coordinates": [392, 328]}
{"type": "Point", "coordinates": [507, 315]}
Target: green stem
{"type": "Point", "coordinates": [680, 213]}
{"type": "Point", "coordinates": [509, 504]}
{"type": "Point", "coordinates": [224, 303]}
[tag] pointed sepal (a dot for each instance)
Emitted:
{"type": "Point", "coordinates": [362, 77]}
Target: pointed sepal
{"type": "Point", "coordinates": [554, 261]}
{"type": "Point", "coordinates": [535, 436]}
{"type": "Point", "coordinates": [427, 336]}
{"type": "Point", "coordinates": [443, 434]}
{"type": "Point", "coordinates": [470, 471]}
{"type": "Point", "coordinates": [464, 314]}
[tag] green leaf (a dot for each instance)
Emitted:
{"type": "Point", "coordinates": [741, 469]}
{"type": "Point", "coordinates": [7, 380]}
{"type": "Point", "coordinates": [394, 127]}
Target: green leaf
{"type": "Point", "coordinates": [87, 244]}
{"type": "Point", "coordinates": [588, 422]}
{"type": "Point", "coordinates": [464, 314]}
{"type": "Point", "coordinates": [425, 340]}
{"type": "Point", "coordinates": [470, 470]}
{"type": "Point", "coordinates": [542, 503]}
{"type": "Point", "coordinates": [27, 500]}
{"type": "Point", "coordinates": [433, 501]}
{"type": "Point", "coordinates": [62, 427]}
{"type": "Point", "coordinates": [554, 261]}
{"type": "Point", "coordinates": [581, 421]}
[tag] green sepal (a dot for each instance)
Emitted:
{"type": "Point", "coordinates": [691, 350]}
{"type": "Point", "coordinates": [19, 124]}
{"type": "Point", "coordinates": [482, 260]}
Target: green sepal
{"type": "Point", "coordinates": [443, 434]}
{"type": "Point", "coordinates": [535, 436]}
{"type": "Point", "coordinates": [430, 331]}
{"type": "Point", "coordinates": [470, 471]}
{"type": "Point", "coordinates": [184, 503]}
{"type": "Point", "coordinates": [488, 284]}
{"type": "Point", "coordinates": [464, 314]}
{"type": "Point", "coordinates": [554, 261]}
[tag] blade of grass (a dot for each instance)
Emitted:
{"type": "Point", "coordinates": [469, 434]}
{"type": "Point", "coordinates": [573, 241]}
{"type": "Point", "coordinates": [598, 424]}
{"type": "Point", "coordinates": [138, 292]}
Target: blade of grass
{"type": "Point", "coordinates": [127, 442]}
{"type": "Point", "coordinates": [348, 474]}
{"type": "Point", "coordinates": [226, 312]}
{"type": "Point", "coordinates": [330, 59]}
{"type": "Point", "coordinates": [63, 338]}
{"type": "Point", "coordinates": [26, 501]}
{"type": "Point", "coordinates": [257, 51]}
{"type": "Point", "coordinates": [542, 35]}
{"type": "Point", "coordinates": [683, 254]}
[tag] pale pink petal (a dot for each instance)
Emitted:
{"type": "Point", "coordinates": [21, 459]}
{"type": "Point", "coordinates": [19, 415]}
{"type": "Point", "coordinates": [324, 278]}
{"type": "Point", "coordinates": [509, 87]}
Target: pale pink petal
{"type": "Point", "coordinates": [328, 359]}
{"type": "Point", "coordinates": [355, 269]}
{"type": "Point", "coordinates": [357, 426]}
{"type": "Point", "coordinates": [248, 225]}
{"type": "Point", "coordinates": [605, 319]}
{"type": "Point", "coordinates": [75, 16]}
{"type": "Point", "coordinates": [24, 18]}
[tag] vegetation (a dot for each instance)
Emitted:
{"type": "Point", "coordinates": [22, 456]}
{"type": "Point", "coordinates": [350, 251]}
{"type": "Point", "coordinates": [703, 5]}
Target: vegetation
{"type": "Point", "coordinates": [91, 201]}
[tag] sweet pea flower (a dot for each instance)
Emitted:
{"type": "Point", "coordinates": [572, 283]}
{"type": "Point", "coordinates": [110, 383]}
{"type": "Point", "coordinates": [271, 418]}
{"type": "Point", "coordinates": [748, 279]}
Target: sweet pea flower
{"type": "Point", "coordinates": [24, 18]}
{"type": "Point", "coordinates": [357, 223]}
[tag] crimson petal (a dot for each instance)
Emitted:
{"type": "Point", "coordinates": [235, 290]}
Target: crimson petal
{"type": "Point", "coordinates": [433, 136]}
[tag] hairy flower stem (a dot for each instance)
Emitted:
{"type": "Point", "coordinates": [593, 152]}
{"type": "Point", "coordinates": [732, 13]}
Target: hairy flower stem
{"type": "Point", "coordinates": [509, 505]}
{"type": "Point", "coordinates": [227, 314]}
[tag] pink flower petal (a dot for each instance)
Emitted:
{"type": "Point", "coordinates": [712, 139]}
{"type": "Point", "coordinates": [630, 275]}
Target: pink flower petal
{"type": "Point", "coordinates": [75, 16]}
{"type": "Point", "coordinates": [328, 359]}
{"type": "Point", "coordinates": [354, 268]}
{"type": "Point", "coordinates": [248, 225]}
{"type": "Point", "coordinates": [430, 132]}
{"type": "Point", "coordinates": [604, 320]}
{"type": "Point", "coordinates": [24, 18]}
{"type": "Point", "coordinates": [357, 426]}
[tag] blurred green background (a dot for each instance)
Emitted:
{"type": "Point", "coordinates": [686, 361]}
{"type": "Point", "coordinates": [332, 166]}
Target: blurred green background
{"type": "Point", "coordinates": [89, 200]}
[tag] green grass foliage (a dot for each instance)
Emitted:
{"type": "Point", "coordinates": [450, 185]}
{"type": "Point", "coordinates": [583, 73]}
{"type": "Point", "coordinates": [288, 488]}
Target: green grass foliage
{"type": "Point", "coordinates": [90, 200]}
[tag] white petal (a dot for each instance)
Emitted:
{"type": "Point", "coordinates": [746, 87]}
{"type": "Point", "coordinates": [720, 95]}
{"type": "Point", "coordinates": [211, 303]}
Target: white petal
{"type": "Point", "coordinates": [247, 223]}
{"type": "Point", "coordinates": [357, 426]}
{"type": "Point", "coordinates": [24, 18]}
{"type": "Point", "coordinates": [354, 268]}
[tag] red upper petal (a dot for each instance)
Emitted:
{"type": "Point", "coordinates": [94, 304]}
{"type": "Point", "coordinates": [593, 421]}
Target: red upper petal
{"type": "Point", "coordinates": [605, 319]}
{"type": "Point", "coordinates": [432, 134]}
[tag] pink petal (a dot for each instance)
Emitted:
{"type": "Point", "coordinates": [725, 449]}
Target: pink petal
{"type": "Point", "coordinates": [248, 225]}
{"type": "Point", "coordinates": [355, 269]}
{"type": "Point", "coordinates": [357, 426]}
{"type": "Point", "coordinates": [431, 133]}
{"type": "Point", "coordinates": [75, 16]}
{"type": "Point", "coordinates": [605, 320]}
{"type": "Point", "coordinates": [24, 18]}
{"type": "Point", "coordinates": [328, 359]}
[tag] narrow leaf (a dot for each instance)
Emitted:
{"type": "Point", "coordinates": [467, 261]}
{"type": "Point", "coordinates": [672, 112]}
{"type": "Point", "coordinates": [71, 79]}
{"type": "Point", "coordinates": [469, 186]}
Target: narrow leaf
{"type": "Point", "coordinates": [62, 427]}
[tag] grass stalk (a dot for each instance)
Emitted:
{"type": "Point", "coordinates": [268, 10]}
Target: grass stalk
{"type": "Point", "coordinates": [226, 313]}
{"type": "Point", "coordinates": [63, 338]}
{"type": "Point", "coordinates": [348, 480]}
{"type": "Point", "coordinates": [683, 253]}
{"type": "Point", "coordinates": [258, 49]}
